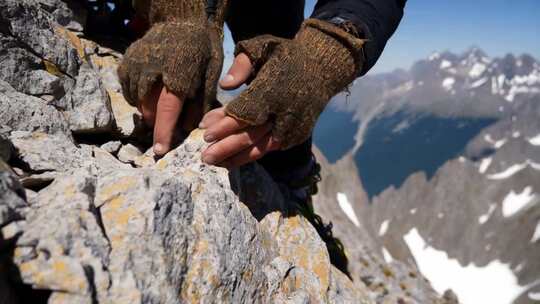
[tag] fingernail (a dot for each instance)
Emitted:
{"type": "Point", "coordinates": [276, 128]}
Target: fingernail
{"type": "Point", "coordinates": [159, 149]}
{"type": "Point", "coordinates": [209, 138]}
{"type": "Point", "coordinates": [209, 159]}
{"type": "Point", "coordinates": [228, 78]}
{"type": "Point", "coordinates": [202, 125]}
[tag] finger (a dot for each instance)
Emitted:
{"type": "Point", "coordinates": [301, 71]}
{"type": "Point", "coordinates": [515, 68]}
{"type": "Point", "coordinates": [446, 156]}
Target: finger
{"type": "Point", "coordinates": [222, 128]}
{"type": "Point", "coordinates": [168, 110]}
{"type": "Point", "coordinates": [212, 117]}
{"type": "Point", "coordinates": [234, 144]}
{"type": "Point", "coordinates": [265, 145]}
{"type": "Point", "coordinates": [238, 74]}
{"type": "Point", "coordinates": [148, 105]}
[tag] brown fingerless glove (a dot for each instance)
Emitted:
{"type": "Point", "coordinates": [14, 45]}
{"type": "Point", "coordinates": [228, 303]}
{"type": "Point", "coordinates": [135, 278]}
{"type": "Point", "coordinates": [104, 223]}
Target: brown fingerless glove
{"type": "Point", "coordinates": [183, 49]}
{"type": "Point", "coordinates": [296, 78]}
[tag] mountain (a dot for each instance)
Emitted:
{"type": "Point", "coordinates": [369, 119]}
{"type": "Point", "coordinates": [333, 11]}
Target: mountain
{"type": "Point", "coordinates": [416, 120]}
{"type": "Point", "coordinates": [444, 173]}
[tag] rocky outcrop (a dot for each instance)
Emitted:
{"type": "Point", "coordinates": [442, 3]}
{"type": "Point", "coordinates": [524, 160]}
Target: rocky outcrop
{"type": "Point", "coordinates": [87, 216]}
{"type": "Point", "coordinates": [342, 201]}
{"type": "Point", "coordinates": [174, 232]}
{"type": "Point", "coordinates": [482, 210]}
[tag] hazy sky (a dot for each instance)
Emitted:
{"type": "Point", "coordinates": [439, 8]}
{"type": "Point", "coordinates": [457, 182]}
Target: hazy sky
{"type": "Point", "coordinates": [496, 26]}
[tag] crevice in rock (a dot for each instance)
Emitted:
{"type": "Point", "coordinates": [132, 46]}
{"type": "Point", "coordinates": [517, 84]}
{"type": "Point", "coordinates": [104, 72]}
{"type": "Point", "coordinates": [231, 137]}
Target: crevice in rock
{"type": "Point", "coordinates": [29, 49]}
{"type": "Point", "coordinates": [23, 293]}
{"type": "Point", "coordinates": [89, 273]}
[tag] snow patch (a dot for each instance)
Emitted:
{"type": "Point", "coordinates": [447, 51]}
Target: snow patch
{"type": "Point", "coordinates": [434, 56]}
{"type": "Point", "coordinates": [384, 227]}
{"type": "Point", "coordinates": [347, 208]}
{"type": "Point", "coordinates": [448, 83]}
{"type": "Point", "coordinates": [413, 211]}
{"type": "Point", "coordinates": [516, 134]}
{"type": "Point", "coordinates": [514, 169]}
{"type": "Point", "coordinates": [478, 83]}
{"type": "Point", "coordinates": [440, 215]}
{"type": "Point", "coordinates": [535, 296]}
{"type": "Point", "coordinates": [535, 141]}
{"type": "Point", "coordinates": [536, 235]}
{"type": "Point", "coordinates": [514, 202]}
{"type": "Point", "coordinates": [387, 256]}
{"type": "Point", "coordinates": [496, 143]}
{"type": "Point", "coordinates": [477, 70]}
{"type": "Point", "coordinates": [484, 165]}
{"type": "Point", "coordinates": [468, 282]}
{"type": "Point", "coordinates": [445, 64]}
{"type": "Point", "coordinates": [485, 217]}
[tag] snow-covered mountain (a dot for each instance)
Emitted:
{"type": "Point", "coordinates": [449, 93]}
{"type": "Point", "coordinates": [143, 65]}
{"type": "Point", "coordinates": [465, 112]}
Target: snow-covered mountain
{"type": "Point", "coordinates": [470, 84]}
{"type": "Point", "coordinates": [461, 135]}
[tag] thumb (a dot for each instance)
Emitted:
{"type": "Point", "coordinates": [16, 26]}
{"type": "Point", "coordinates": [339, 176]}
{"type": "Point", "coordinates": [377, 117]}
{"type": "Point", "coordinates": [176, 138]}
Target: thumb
{"type": "Point", "coordinates": [238, 74]}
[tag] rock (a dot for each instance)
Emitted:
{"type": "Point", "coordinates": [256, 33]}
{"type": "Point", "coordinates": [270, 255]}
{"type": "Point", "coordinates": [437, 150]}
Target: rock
{"type": "Point", "coordinates": [106, 62]}
{"type": "Point", "coordinates": [87, 106]}
{"type": "Point", "coordinates": [5, 145]}
{"type": "Point", "coordinates": [22, 112]}
{"type": "Point", "coordinates": [112, 146]}
{"type": "Point", "coordinates": [175, 232]}
{"type": "Point", "coordinates": [342, 201]}
{"type": "Point", "coordinates": [12, 201]}
{"type": "Point", "coordinates": [68, 13]}
{"type": "Point", "coordinates": [25, 71]}
{"type": "Point", "coordinates": [42, 152]}
{"type": "Point", "coordinates": [128, 153]}
{"type": "Point", "coordinates": [33, 27]}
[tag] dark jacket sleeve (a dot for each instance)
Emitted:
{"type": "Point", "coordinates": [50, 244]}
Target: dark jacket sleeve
{"type": "Point", "coordinates": [376, 21]}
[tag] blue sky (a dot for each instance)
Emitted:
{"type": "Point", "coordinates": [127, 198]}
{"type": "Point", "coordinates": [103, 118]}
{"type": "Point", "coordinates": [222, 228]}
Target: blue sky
{"type": "Point", "coordinates": [496, 26]}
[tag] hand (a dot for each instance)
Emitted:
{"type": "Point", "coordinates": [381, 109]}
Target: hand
{"type": "Point", "coordinates": [161, 110]}
{"type": "Point", "coordinates": [296, 78]}
{"type": "Point", "coordinates": [235, 143]}
{"type": "Point", "coordinates": [174, 68]}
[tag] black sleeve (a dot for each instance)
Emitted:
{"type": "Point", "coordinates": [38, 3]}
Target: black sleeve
{"type": "Point", "coordinates": [249, 18]}
{"type": "Point", "coordinates": [376, 20]}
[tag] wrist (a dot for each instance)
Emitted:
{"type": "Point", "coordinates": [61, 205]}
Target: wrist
{"type": "Point", "coordinates": [336, 42]}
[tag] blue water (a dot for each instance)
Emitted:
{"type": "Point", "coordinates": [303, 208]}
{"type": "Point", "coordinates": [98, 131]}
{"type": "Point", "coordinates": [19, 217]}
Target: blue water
{"type": "Point", "coordinates": [334, 133]}
{"type": "Point", "coordinates": [388, 156]}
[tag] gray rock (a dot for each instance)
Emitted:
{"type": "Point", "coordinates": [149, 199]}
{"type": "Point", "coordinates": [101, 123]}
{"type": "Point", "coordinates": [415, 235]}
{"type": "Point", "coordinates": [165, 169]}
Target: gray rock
{"type": "Point", "coordinates": [33, 27]}
{"type": "Point", "coordinates": [175, 232]}
{"type": "Point", "coordinates": [387, 281]}
{"type": "Point", "coordinates": [42, 152]}
{"type": "Point", "coordinates": [12, 199]}
{"type": "Point", "coordinates": [128, 153]}
{"type": "Point", "coordinates": [22, 112]}
{"type": "Point", "coordinates": [87, 105]}
{"type": "Point", "coordinates": [5, 145]}
{"type": "Point", "coordinates": [25, 71]}
{"type": "Point", "coordinates": [68, 13]}
{"type": "Point", "coordinates": [112, 146]}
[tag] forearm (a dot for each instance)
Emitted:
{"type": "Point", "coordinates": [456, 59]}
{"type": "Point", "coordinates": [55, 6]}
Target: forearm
{"type": "Point", "coordinates": [376, 21]}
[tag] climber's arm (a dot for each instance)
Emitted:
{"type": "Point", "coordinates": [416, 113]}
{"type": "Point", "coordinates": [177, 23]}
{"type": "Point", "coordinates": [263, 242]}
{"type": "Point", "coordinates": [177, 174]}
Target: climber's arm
{"type": "Point", "coordinates": [375, 20]}
{"type": "Point", "coordinates": [294, 79]}
{"type": "Point", "coordinates": [173, 70]}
